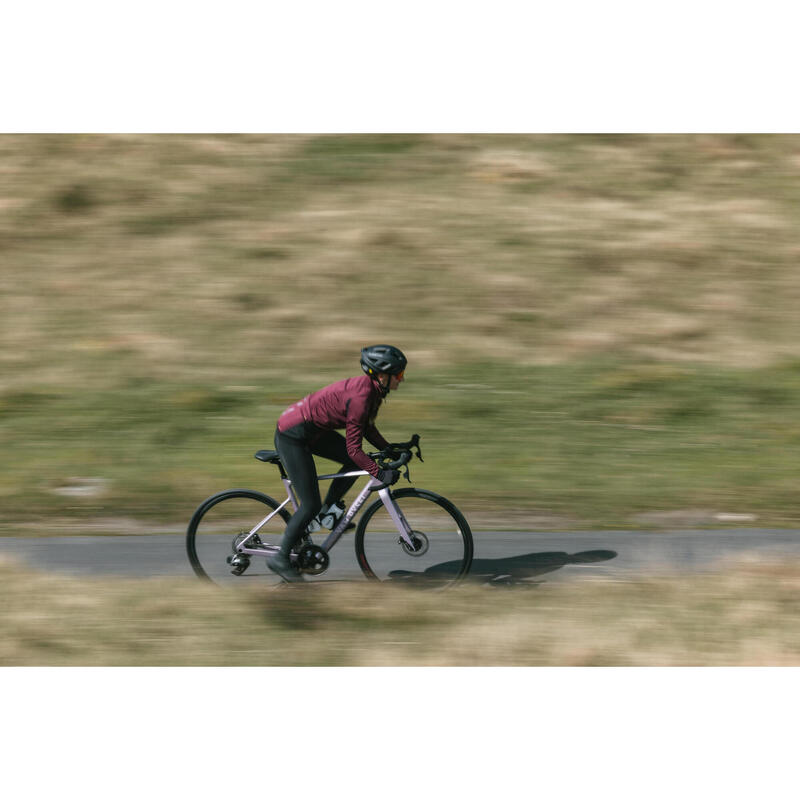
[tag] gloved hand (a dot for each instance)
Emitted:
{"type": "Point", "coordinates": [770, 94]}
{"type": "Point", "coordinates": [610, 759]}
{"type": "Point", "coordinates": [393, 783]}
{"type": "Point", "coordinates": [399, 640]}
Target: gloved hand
{"type": "Point", "coordinates": [389, 476]}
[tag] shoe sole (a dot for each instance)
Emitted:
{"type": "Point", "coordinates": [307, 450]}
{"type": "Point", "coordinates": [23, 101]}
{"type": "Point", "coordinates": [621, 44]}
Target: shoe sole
{"type": "Point", "coordinates": [296, 578]}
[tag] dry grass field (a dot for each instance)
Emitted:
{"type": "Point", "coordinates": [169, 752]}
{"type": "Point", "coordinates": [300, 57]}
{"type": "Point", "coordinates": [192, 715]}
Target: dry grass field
{"type": "Point", "coordinates": [746, 615]}
{"type": "Point", "coordinates": [600, 328]}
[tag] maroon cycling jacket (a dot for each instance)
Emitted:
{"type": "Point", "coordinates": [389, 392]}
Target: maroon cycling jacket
{"type": "Point", "coordinates": [351, 404]}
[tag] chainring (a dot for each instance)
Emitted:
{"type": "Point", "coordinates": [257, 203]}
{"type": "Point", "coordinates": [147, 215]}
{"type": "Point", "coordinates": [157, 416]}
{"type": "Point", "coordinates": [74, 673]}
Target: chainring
{"type": "Point", "coordinates": [312, 559]}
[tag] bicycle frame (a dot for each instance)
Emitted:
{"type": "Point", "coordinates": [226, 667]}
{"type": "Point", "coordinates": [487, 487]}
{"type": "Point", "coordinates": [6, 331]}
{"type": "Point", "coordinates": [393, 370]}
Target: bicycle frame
{"type": "Point", "coordinates": [395, 514]}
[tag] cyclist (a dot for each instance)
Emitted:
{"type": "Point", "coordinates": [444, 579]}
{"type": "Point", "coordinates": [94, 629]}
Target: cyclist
{"type": "Point", "coordinates": [309, 428]}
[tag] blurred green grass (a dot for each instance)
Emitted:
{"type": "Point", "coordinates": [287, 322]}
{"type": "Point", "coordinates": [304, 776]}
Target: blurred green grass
{"type": "Point", "coordinates": [591, 443]}
{"type": "Point", "coordinates": [599, 327]}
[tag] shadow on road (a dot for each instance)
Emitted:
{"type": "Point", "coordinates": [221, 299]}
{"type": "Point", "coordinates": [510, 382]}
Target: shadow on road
{"type": "Point", "coordinates": [504, 571]}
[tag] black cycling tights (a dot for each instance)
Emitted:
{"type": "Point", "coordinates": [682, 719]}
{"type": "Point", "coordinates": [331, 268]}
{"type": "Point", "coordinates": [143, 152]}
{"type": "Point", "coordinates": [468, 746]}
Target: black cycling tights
{"type": "Point", "coordinates": [296, 446]}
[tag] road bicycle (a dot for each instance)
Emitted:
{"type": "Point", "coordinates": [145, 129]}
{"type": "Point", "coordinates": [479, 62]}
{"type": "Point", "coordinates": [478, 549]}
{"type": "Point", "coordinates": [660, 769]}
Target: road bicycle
{"type": "Point", "coordinates": [407, 535]}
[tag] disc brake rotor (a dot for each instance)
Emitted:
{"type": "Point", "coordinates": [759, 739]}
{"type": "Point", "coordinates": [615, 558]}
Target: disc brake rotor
{"type": "Point", "coordinates": [420, 544]}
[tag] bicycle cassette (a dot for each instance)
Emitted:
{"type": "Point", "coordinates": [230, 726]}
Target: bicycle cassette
{"type": "Point", "coordinates": [312, 559]}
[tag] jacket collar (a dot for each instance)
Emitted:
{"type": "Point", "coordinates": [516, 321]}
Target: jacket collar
{"type": "Point", "coordinates": [382, 391]}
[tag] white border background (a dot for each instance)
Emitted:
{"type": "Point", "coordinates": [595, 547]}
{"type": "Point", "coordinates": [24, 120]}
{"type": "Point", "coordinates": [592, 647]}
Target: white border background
{"type": "Point", "coordinates": [356, 66]}
{"type": "Point", "coordinates": [420, 67]}
{"type": "Point", "coordinates": [398, 733]}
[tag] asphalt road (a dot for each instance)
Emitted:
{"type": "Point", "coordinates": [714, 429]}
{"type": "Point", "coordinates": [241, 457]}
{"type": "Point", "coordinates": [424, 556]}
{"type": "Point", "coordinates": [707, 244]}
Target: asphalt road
{"type": "Point", "coordinates": [500, 557]}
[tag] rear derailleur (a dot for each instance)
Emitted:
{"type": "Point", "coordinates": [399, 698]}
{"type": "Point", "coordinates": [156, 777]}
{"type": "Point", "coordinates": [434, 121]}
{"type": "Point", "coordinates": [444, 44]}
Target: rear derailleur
{"type": "Point", "coordinates": [241, 561]}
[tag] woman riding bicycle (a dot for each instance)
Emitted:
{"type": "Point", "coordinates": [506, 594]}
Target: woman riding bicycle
{"type": "Point", "coordinates": [308, 428]}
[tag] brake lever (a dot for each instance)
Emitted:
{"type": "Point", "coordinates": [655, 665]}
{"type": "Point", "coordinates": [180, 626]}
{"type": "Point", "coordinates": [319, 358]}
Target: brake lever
{"type": "Point", "coordinates": [412, 445]}
{"type": "Point", "coordinates": [415, 443]}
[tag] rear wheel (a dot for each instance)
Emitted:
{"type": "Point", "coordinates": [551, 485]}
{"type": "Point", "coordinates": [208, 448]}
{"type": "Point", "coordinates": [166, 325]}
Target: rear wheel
{"type": "Point", "coordinates": [223, 521]}
{"type": "Point", "coordinates": [440, 553]}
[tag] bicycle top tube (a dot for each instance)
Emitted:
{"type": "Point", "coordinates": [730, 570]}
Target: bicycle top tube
{"type": "Point", "coordinates": [342, 475]}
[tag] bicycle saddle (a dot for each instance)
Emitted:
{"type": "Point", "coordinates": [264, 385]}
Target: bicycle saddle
{"type": "Point", "coordinates": [269, 456]}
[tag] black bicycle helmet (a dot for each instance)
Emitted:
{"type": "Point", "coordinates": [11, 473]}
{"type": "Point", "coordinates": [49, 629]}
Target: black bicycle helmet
{"type": "Point", "coordinates": [382, 358]}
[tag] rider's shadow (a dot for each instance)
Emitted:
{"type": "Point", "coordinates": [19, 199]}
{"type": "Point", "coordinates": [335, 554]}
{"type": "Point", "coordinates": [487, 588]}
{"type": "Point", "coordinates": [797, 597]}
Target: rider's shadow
{"type": "Point", "coordinates": [504, 571]}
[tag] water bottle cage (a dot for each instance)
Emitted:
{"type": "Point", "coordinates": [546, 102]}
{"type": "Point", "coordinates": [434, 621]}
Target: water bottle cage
{"type": "Point", "coordinates": [331, 516]}
{"type": "Point", "coordinates": [327, 521]}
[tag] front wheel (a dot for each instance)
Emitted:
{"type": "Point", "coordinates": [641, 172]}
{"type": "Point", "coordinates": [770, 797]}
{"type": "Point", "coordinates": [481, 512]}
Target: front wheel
{"type": "Point", "coordinates": [440, 552]}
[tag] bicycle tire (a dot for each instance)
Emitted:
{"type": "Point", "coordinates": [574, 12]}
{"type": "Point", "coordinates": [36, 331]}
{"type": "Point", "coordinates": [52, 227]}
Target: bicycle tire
{"type": "Point", "coordinates": [209, 563]}
{"type": "Point", "coordinates": [451, 542]}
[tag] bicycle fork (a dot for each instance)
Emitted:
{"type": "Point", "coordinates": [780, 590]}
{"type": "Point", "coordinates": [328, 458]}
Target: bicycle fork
{"type": "Point", "coordinates": [397, 517]}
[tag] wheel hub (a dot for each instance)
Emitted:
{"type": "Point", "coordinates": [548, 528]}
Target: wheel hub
{"type": "Point", "coordinates": [255, 541]}
{"type": "Point", "coordinates": [419, 541]}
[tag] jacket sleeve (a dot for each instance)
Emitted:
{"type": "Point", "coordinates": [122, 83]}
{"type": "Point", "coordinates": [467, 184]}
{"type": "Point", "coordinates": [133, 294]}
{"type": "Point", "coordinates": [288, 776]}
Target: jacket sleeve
{"type": "Point", "coordinates": [355, 429]}
{"type": "Point", "coordinates": [373, 436]}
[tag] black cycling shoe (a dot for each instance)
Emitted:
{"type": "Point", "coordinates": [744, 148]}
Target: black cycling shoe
{"type": "Point", "coordinates": [281, 565]}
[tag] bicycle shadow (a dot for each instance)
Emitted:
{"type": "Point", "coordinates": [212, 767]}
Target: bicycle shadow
{"type": "Point", "coordinates": [509, 571]}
